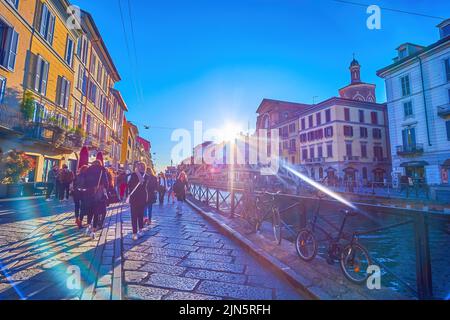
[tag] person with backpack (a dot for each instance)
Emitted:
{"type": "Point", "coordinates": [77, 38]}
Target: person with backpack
{"type": "Point", "coordinates": [79, 194]}
{"type": "Point", "coordinates": [65, 178]}
{"type": "Point", "coordinates": [140, 188]}
{"type": "Point", "coordinates": [52, 183]}
{"type": "Point", "coordinates": [180, 187]}
{"type": "Point", "coordinates": [96, 184]}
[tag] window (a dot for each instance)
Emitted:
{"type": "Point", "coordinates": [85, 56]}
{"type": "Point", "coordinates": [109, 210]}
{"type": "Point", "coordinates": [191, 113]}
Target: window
{"type": "Point", "coordinates": [363, 132]}
{"type": "Point", "coordinates": [64, 92]}
{"type": "Point", "coordinates": [77, 114]}
{"type": "Point", "coordinates": [364, 173]}
{"type": "Point", "coordinates": [92, 92]}
{"type": "Point", "coordinates": [99, 72]}
{"type": "Point", "coordinates": [348, 149]}
{"type": "Point", "coordinates": [2, 88]}
{"type": "Point", "coordinates": [9, 41]}
{"type": "Point", "coordinates": [378, 152]}
{"type": "Point", "coordinates": [330, 150]}
{"type": "Point", "coordinates": [303, 124]}
{"type": "Point", "coordinates": [347, 114]}
{"type": "Point", "coordinates": [304, 154]}
{"type": "Point", "coordinates": [311, 152]}
{"type": "Point", "coordinates": [319, 134]}
{"type": "Point", "coordinates": [93, 64]}
{"type": "Point", "coordinates": [361, 116]}
{"type": "Point", "coordinates": [303, 137]}
{"type": "Point", "coordinates": [447, 69]}
{"type": "Point", "coordinates": [47, 26]}
{"type": "Point", "coordinates": [292, 145]}
{"type": "Point", "coordinates": [363, 150]}
{"type": "Point", "coordinates": [292, 128]}
{"type": "Point", "coordinates": [15, 3]}
{"type": "Point", "coordinates": [41, 75]}
{"type": "Point", "coordinates": [69, 51]}
{"type": "Point", "coordinates": [406, 88]}
{"type": "Point", "coordinates": [311, 121]}
{"type": "Point", "coordinates": [377, 134]}
{"type": "Point", "coordinates": [329, 132]}
{"type": "Point", "coordinates": [328, 115]}
{"type": "Point", "coordinates": [348, 131]}
{"type": "Point", "coordinates": [320, 152]}
{"type": "Point", "coordinates": [374, 117]}
{"type": "Point", "coordinates": [408, 110]}
{"type": "Point", "coordinates": [320, 173]}
{"type": "Point", "coordinates": [409, 137]}
{"type": "Point", "coordinates": [319, 119]}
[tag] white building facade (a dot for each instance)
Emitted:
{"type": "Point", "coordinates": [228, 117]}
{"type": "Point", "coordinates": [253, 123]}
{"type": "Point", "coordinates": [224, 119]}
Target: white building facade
{"type": "Point", "coordinates": [418, 99]}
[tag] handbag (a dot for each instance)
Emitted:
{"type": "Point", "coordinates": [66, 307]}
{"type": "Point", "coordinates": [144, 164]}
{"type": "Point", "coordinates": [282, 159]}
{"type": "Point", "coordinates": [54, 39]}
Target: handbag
{"type": "Point", "coordinates": [127, 200]}
{"type": "Point", "coordinates": [99, 193]}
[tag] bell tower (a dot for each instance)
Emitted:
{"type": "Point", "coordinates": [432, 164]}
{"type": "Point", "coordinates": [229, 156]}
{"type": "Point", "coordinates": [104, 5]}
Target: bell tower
{"type": "Point", "coordinates": [355, 71]}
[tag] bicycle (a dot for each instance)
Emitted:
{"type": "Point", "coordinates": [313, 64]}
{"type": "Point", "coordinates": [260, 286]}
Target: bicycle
{"type": "Point", "coordinates": [266, 208]}
{"type": "Point", "coordinates": [354, 259]}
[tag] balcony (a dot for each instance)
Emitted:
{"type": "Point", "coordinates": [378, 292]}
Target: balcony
{"type": "Point", "coordinates": [315, 160]}
{"type": "Point", "coordinates": [381, 160]}
{"type": "Point", "coordinates": [410, 150]}
{"type": "Point", "coordinates": [51, 135]}
{"type": "Point", "coordinates": [444, 111]}
{"type": "Point", "coordinates": [351, 159]}
{"type": "Point", "coordinates": [92, 141]}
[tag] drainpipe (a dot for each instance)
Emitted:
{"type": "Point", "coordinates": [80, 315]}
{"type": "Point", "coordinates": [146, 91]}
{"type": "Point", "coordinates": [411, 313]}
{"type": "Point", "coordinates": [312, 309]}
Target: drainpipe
{"type": "Point", "coordinates": [424, 101]}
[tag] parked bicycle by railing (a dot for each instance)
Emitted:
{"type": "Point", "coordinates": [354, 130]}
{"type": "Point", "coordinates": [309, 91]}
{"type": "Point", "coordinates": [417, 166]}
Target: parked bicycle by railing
{"type": "Point", "coordinates": [267, 209]}
{"type": "Point", "coordinates": [354, 259]}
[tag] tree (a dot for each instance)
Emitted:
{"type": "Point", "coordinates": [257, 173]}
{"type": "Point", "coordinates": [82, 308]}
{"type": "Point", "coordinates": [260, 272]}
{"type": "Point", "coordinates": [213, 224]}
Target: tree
{"type": "Point", "coordinates": [15, 165]}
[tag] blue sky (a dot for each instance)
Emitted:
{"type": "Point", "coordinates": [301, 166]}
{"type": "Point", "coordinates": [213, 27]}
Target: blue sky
{"type": "Point", "coordinates": [215, 60]}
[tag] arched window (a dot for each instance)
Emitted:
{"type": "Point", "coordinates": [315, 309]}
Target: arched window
{"type": "Point", "coordinates": [313, 174]}
{"type": "Point", "coordinates": [320, 173]}
{"type": "Point", "coordinates": [358, 97]}
{"type": "Point", "coordinates": [370, 98]}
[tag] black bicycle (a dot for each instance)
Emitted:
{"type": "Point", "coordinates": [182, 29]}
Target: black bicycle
{"type": "Point", "coordinates": [354, 259]}
{"type": "Point", "coordinates": [267, 209]}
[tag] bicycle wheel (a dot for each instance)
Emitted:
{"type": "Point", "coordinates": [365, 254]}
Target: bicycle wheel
{"type": "Point", "coordinates": [276, 225]}
{"type": "Point", "coordinates": [355, 260]}
{"type": "Point", "coordinates": [306, 245]}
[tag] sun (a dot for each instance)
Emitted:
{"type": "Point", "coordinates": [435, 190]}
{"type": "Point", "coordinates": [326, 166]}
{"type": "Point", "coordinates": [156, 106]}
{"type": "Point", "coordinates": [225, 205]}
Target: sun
{"type": "Point", "coordinates": [230, 131]}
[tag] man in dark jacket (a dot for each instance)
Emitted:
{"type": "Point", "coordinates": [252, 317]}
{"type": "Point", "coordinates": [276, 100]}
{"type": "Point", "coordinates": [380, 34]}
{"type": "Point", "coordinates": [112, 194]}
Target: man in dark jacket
{"type": "Point", "coordinates": [65, 178]}
{"type": "Point", "coordinates": [52, 182]}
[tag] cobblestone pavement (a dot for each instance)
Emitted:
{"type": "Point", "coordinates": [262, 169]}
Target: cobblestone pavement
{"type": "Point", "coordinates": [39, 244]}
{"type": "Point", "coordinates": [185, 257]}
{"type": "Point", "coordinates": [178, 258]}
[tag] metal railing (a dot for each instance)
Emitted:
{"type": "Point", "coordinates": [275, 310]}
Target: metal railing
{"type": "Point", "coordinates": [410, 149]}
{"type": "Point", "coordinates": [228, 200]}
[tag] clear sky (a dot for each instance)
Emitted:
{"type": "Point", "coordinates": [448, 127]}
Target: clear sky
{"type": "Point", "coordinates": [215, 60]}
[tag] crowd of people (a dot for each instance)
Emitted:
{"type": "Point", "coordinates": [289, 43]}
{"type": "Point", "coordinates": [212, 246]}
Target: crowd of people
{"type": "Point", "coordinates": [94, 187]}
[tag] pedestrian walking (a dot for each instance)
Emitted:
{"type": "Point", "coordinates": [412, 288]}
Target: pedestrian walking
{"type": "Point", "coordinates": [152, 191]}
{"type": "Point", "coordinates": [122, 183]}
{"type": "Point", "coordinates": [139, 186]}
{"type": "Point", "coordinates": [170, 183]}
{"type": "Point", "coordinates": [162, 187]}
{"type": "Point", "coordinates": [79, 195]}
{"type": "Point", "coordinates": [65, 179]}
{"type": "Point", "coordinates": [96, 186]}
{"type": "Point", "coordinates": [180, 188]}
{"type": "Point", "coordinates": [52, 182]}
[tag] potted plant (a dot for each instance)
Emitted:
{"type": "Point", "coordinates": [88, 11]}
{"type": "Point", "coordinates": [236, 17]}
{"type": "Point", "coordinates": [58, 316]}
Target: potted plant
{"type": "Point", "coordinates": [14, 167]}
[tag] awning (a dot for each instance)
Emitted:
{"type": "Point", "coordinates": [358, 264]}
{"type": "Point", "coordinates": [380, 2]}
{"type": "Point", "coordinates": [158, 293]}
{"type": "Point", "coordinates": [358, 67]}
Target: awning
{"type": "Point", "coordinates": [414, 164]}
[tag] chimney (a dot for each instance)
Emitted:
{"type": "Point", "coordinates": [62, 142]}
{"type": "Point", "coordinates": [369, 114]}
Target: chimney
{"type": "Point", "coordinates": [444, 28]}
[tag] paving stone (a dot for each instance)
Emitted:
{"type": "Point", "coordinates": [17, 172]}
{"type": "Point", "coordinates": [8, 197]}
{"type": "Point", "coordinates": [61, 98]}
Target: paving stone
{"type": "Point", "coordinates": [216, 266]}
{"type": "Point", "coordinates": [168, 252]}
{"type": "Point", "coordinates": [234, 291]}
{"type": "Point", "coordinates": [209, 244]}
{"type": "Point", "coordinates": [162, 259]}
{"type": "Point", "coordinates": [216, 275]}
{"type": "Point", "coordinates": [210, 257]}
{"type": "Point", "coordinates": [214, 251]}
{"type": "Point", "coordinates": [135, 276]}
{"type": "Point", "coordinates": [183, 247]}
{"type": "Point", "coordinates": [145, 293]}
{"type": "Point", "coordinates": [162, 268]}
{"type": "Point", "coordinates": [173, 282]}
{"type": "Point", "coordinates": [180, 295]}
{"type": "Point", "coordinates": [132, 265]}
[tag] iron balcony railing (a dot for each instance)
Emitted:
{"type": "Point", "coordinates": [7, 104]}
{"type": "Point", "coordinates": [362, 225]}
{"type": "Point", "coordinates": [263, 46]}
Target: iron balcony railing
{"type": "Point", "coordinates": [410, 149]}
{"type": "Point", "coordinates": [351, 158]}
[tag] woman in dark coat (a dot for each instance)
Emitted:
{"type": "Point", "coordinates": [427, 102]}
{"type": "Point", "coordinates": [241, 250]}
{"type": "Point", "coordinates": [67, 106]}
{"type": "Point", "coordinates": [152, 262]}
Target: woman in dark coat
{"type": "Point", "coordinates": [96, 186]}
{"type": "Point", "coordinates": [140, 190]}
{"type": "Point", "coordinates": [180, 188]}
{"type": "Point", "coordinates": [79, 192]}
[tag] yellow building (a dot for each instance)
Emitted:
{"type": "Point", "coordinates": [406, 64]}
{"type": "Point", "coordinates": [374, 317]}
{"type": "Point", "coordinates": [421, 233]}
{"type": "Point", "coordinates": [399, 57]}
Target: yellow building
{"type": "Point", "coordinates": [130, 151]}
{"type": "Point", "coordinates": [56, 86]}
{"type": "Point", "coordinates": [41, 79]}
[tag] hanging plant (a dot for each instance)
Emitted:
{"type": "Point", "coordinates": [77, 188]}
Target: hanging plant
{"type": "Point", "coordinates": [28, 106]}
{"type": "Point", "coordinates": [14, 166]}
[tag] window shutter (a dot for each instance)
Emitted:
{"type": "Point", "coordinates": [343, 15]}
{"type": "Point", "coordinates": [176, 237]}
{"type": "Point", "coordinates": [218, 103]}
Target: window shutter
{"type": "Point", "coordinates": [45, 77]}
{"type": "Point", "coordinates": [37, 74]}
{"type": "Point", "coordinates": [59, 91]}
{"type": "Point", "coordinates": [13, 50]}
{"type": "Point", "coordinates": [66, 98]}
{"type": "Point", "coordinates": [51, 28]}
{"type": "Point", "coordinates": [30, 70]}
{"type": "Point", "coordinates": [44, 20]}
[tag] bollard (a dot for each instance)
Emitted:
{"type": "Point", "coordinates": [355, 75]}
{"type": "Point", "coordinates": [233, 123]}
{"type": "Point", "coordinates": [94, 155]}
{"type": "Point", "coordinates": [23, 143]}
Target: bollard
{"type": "Point", "coordinates": [423, 260]}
